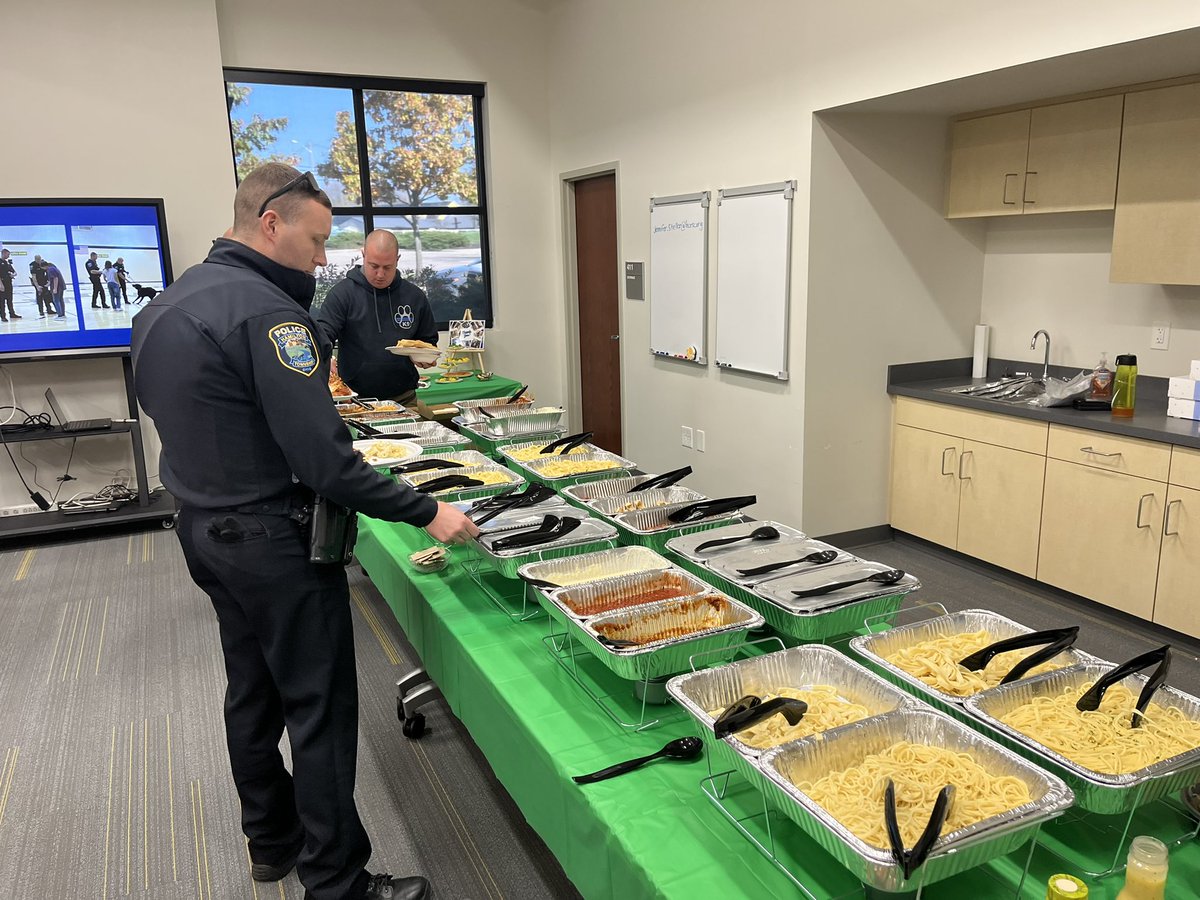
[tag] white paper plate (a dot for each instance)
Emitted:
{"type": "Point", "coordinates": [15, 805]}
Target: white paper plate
{"type": "Point", "coordinates": [417, 354]}
{"type": "Point", "coordinates": [399, 450]}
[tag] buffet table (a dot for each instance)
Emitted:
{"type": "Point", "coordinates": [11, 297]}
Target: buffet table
{"type": "Point", "coordinates": [649, 833]}
{"type": "Point", "coordinates": [470, 388]}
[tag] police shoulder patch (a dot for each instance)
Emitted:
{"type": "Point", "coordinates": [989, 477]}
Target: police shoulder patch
{"type": "Point", "coordinates": [295, 347]}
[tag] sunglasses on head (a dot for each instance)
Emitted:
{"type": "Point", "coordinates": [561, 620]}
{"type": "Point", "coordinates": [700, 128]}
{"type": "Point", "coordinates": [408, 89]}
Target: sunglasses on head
{"type": "Point", "coordinates": [306, 178]}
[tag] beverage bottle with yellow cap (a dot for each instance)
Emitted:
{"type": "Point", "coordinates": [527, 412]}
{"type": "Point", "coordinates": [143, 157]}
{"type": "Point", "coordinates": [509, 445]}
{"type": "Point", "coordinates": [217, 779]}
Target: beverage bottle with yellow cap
{"type": "Point", "coordinates": [1146, 874]}
{"type": "Point", "coordinates": [1066, 887]}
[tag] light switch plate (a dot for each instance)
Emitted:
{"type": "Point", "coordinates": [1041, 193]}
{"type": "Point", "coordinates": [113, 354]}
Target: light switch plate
{"type": "Point", "coordinates": [699, 444]}
{"type": "Point", "coordinates": [685, 436]}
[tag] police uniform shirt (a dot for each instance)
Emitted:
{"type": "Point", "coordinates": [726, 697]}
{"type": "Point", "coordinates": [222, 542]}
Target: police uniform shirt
{"type": "Point", "coordinates": [7, 270]}
{"type": "Point", "coordinates": [93, 270]}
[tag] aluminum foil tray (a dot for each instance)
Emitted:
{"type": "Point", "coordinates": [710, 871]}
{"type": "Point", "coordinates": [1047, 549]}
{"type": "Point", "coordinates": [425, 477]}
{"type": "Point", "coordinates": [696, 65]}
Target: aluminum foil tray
{"type": "Point", "coordinates": [797, 667]}
{"type": "Point", "coordinates": [508, 450]}
{"type": "Point", "coordinates": [595, 566]}
{"type": "Point", "coordinates": [587, 491]}
{"type": "Point", "coordinates": [957, 851]}
{"type": "Point", "coordinates": [875, 647]}
{"type": "Point", "coordinates": [535, 469]}
{"type": "Point", "coordinates": [526, 517]}
{"type": "Point", "coordinates": [686, 546]}
{"type": "Point", "coordinates": [654, 498]}
{"type": "Point", "coordinates": [506, 423]}
{"type": "Point", "coordinates": [729, 565]}
{"type": "Point", "coordinates": [469, 409]}
{"type": "Point", "coordinates": [590, 535]}
{"type": "Point", "coordinates": [491, 444]}
{"type": "Point", "coordinates": [711, 624]}
{"type": "Point", "coordinates": [1095, 792]}
{"type": "Point", "coordinates": [471, 493]}
{"type": "Point", "coordinates": [779, 590]}
{"type": "Point", "coordinates": [386, 422]}
{"type": "Point", "coordinates": [469, 459]}
{"type": "Point", "coordinates": [598, 597]}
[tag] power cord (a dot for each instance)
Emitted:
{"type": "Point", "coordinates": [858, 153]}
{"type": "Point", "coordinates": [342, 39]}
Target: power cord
{"type": "Point", "coordinates": [106, 496]}
{"type": "Point", "coordinates": [31, 423]}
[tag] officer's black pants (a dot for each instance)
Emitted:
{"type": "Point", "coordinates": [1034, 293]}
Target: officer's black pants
{"type": "Point", "coordinates": [98, 293]}
{"type": "Point", "coordinates": [288, 641]}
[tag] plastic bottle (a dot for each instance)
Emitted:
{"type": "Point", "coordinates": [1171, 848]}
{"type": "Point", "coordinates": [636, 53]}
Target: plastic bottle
{"type": "Point", "coordinates": [1066, 887]}
{"type": "Point", "coordinates": [1102, 380]}
{"type": "Point", "coordinates": [1125, 386]}
{"type": "Point", "coordinates": [1146, 874]}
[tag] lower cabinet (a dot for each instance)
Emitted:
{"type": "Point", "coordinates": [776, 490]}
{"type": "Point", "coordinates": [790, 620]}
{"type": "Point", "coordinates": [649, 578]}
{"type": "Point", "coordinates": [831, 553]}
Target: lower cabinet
{"type": "Point", "coordinates": [1000, 506]}
{"type": "Point", "coordinates": [925, 484]}
{"type": "Point", "coordinates": [1101, 533]}
{"type": "Point", "coordinates": [1177, 603]}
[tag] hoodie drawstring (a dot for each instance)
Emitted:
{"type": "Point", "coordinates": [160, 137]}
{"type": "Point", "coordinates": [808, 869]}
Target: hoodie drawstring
{"type": "Point", "coordinates": [375, 294]}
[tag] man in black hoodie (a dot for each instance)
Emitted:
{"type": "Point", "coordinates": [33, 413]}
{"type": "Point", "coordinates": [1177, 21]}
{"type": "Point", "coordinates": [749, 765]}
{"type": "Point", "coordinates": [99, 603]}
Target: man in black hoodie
{"type": "Point", "coordinates": [368, 312]}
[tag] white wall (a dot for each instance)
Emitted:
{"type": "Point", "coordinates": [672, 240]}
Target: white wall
{"type": "Point", "coordinates": [1051, 272]}
{"type": "Point", "coordinates": [171, 140]}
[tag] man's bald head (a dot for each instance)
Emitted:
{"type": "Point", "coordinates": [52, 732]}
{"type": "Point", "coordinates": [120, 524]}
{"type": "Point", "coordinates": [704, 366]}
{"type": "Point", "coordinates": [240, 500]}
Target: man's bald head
{"type": "Point", "coordinates": [380, 252]}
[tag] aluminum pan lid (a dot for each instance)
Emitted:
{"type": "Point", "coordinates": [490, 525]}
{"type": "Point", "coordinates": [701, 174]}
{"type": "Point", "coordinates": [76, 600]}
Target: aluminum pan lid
{"type": "Point", "coordinates": [685, 545]}
{"type": "Point", "coordinates": [779, 590]}
{"type": "Point", "coordinates": [589, 531]}
{"type": "Point", "coordinates": [730, 565]}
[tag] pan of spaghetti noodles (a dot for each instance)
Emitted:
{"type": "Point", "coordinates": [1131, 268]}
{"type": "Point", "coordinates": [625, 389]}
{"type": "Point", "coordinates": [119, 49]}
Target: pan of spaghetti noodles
{"type": "Point", "coordinates": [1111, 767]}
{"type": "Point", "coordinates": [832, 785]}
{"type": "Point", "coordinates": [838, 691]}
{"type": "Point", "coordinates": [923, 657]}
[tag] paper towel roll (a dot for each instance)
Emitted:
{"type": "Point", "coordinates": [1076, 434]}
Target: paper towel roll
{"type": "Point", "coordinates": [979, 367]}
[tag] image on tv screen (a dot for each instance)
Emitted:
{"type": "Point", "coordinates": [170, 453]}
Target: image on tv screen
{"type": "Point", "coordinates": [74, 273]}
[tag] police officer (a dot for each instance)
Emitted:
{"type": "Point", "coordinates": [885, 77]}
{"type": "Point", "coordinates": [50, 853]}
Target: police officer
{"type": "Point", "coordinates": [244, 454]}
{"type": "Point", "coordinates": [93, 271]}
{"type": "Point", "coordinates": [7, 272]}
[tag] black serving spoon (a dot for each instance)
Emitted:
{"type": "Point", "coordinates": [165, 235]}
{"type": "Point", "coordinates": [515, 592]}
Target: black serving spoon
{"type": "Point", "coordinates": [762, 533]}
{"type": "Point", "coordinates": [891, 576]}
{"type": "Point", "coordinates": [1090, 701]}
{"type": "Point", "coordinates": [819, 558]}
{"type": "Point", "coordinates": [681, 748]}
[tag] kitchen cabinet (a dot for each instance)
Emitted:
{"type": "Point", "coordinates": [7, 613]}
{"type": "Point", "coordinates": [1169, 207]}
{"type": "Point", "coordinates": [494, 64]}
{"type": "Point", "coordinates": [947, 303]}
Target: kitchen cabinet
{"type": "Point", "coordinates": [1156, 229]}
{"type": "Point", "coordinates": [1000, 506]}
{"type": "Point", "coordinates": [1175, 604]}
{"type": "Point", "coordinates": [925, 484]}
{"type": "Point", "coordinates": [1056, 158]}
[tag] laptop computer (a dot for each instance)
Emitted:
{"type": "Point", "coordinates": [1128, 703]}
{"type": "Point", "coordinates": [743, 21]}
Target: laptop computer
{"type": "Point", "coordinates": [78, 425]}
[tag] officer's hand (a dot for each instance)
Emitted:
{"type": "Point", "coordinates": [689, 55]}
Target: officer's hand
{"type": "Point", "coordinates": [424, 365]}
{"type": "Point", "coordinates": [451, 525]}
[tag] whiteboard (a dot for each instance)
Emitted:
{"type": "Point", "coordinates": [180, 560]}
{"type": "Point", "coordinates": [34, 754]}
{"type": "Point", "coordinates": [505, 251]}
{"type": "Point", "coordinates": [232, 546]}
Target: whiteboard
{"type": "Point", "coordinates": [678, 276]}
{"type": "Point", "coordinates": [754, 253]}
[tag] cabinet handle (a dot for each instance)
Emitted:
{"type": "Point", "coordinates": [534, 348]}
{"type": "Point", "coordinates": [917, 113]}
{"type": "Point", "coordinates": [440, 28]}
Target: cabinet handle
{"type": "Point", "coordinates": [1167, 522]}
{"type": "Point", "coordinates": [1097, 452]}
{"type": "Point", "coordinates": [944, 452]}
{"type": "Point", "coordinates": [1025, 194]}
{"type": "Point", "coordinates": [1141, 502]}
{"type": "Point", "coordinates": [1004, 199]}
{"type": "Point", "coordinates": [962, 459]}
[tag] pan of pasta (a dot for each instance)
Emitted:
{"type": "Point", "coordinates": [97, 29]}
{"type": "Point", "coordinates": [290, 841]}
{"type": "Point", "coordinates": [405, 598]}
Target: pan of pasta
{"type": "Point", "coordinates": [923, 657]}
{"type": "Point", "coordinates": [838, 691]}
{"type": "Point", "coordinates": [832, 786]}
{"type": "Point", "coordinates": [1111, 766]}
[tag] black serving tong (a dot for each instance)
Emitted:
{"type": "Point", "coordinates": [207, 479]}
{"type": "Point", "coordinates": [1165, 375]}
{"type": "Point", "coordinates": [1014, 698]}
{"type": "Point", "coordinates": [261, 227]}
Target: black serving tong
{"type": "Point", "coordinates": [424, 465]}
{"type": "Point", "coordinates": [531, 496]}
{"type": "Point", "coordinates": [517, 396]}
{"type": "Point", "coordinates": [702, 509]}
{"type": "Point", "coordinates": [662, 481]}
{"type": "Point", "coordinates": [368, 430]}
{"type": "Point", "coordinates": [566, 444]}
{"type": "Point", "coordinates": [1056, 640]}
{"type": "Point", "coordinates": [448, 482]}
{"type": "Point", "coordinates": [551, 529]}
{"type": "Point", "coordinates": [910, 860]}
{"type": "Point", "coordinates": [750, 710]}
{"type": "Point", "coordinates": [889, 576]}
{"type": "Point", "coordinates": [1161, 656]}
{"type": "Point", "coordinates": [818, 558]}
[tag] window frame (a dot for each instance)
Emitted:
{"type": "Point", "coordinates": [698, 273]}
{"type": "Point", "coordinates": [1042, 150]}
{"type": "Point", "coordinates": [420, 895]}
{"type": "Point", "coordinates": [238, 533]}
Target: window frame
{"type": "Point", "coordinates": [368, 210]}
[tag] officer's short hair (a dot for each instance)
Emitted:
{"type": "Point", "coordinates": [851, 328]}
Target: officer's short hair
{"type": "Point", "coordinates": [261, 184]}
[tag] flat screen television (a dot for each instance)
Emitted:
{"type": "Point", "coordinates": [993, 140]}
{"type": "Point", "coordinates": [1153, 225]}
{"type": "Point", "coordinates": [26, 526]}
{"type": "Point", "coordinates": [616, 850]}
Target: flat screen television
{"type": "Point", "coordinates": [49, 244]}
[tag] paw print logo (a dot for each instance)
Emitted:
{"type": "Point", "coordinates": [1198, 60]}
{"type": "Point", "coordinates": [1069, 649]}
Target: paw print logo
{"type": "Point", "coordinates": [404, 316]}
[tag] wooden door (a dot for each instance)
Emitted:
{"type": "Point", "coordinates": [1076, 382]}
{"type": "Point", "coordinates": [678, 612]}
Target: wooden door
{"type": "Point", "coordinates": [1179, 563]}
{"type": "Point", "coordinates": [1073, 153]}
{"type": "Point", "coordinates": [1000, 505]}
{"type": "Point", "coordinates": [925, 484]}
{"type": "Point", "coordinates": [1101, 533]}
{"type": "Point", "coordinates": [599, 311]}
{"type": "Point", "coordinates": [987, 165]}
{"type": "Point", "coordinates": [1156, 230]}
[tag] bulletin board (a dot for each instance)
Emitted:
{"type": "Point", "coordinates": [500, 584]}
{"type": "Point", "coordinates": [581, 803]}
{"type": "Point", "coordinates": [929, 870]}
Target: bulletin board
{"type": "Point", "coordinates": [679, 276]}
{"type": "Point", "coordinates": [754, 253]}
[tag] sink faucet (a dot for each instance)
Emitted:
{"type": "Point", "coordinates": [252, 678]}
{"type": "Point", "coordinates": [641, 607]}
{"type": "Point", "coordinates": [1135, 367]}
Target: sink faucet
{"type": "Point", "coordinates": [1033, 346]}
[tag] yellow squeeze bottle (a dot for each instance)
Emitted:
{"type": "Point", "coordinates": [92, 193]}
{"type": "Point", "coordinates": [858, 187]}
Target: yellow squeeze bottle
{"type": "Point", "coordinates": [1146, 873]}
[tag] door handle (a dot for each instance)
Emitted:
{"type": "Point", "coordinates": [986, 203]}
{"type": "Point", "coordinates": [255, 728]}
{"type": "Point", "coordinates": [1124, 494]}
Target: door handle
{"type": "Point", "coordinates": [1025, 193]}
{"type": "Point", "coordinates": [1004, 199]}
{"type": "Point", "coordinates": [614, 337]}
{"type": "Point", "coordinates": [1167, 518]}
{"type": "Point", "coordinates": [962, 458]}
{"type": "Point", "coordinates": [1141, 503]}
{"type": "Point", "coordinates": [944, 452]}
{"type": "Point", "coordinates": [1097, 452]}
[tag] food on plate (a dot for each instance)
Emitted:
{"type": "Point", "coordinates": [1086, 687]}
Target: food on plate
{"type": "Point", "coordinates": [680, 620]}
{"type": "Point", "coordinates": [337, 387]}
{"type": "Point", "coordinates": [487, 476]}
{"type": "Point", "coordinates": [826, 709]}
{"type": "Point", "coordinates": [423, 345]}
{"type": "Point", "coordinates": [448, 379]}
{"type": "Point", "coordinates": [854, 796]}
{"type": "Point", "coordinates": [561, 468]}
{"type": "Point", "coordinates": [935, 662]}
{"type": "Point", "coordinates": [378, 452]}
{"type": "Point", "coordinates": [1102, 740]}
{"type": "Point", "coordinates": [525, 454]}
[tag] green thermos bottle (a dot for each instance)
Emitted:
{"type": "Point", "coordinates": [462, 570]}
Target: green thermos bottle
{"type": "Point", "coordinates": [1125, 386]}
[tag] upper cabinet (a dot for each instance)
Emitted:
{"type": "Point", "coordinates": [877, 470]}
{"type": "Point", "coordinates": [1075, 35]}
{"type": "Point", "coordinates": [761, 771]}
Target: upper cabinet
{"type": "Point", "coordinates": [1056, 158]}
{"type": "Point", "coordinates": [1156, 231]}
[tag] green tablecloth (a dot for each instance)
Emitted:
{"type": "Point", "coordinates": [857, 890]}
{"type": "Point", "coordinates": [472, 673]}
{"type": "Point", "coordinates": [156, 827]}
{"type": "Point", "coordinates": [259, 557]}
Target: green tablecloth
{"type": "Point", "coordinates": [650, 833]}
{"type": "Point", "coordinates": [470, 388]}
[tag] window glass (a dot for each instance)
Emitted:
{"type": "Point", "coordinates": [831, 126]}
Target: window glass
{"type": "Point", "coordinates": [343, 251]}
{"type": "Point", "coordinates": [442, 254]}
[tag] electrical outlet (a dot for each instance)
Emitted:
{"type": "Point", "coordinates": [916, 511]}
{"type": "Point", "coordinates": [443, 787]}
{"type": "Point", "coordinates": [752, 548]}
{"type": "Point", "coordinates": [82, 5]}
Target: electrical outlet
{"type": "Point", "coordinates": [685, 436]}
{"type": "Point", "coordinates": [699, 441]}
{"type": "Point", "coordinates": [1160, 335]}
{"type": "Point", "coordinates": [21, 509]}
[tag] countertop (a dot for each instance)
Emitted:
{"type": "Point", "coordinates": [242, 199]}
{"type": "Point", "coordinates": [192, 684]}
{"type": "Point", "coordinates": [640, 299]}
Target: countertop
{"type": "Point", "coordinates": [1150, 420]}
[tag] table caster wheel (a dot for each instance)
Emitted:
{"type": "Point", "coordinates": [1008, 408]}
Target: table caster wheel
{"type": "Point", "coordinates": [414, 727]}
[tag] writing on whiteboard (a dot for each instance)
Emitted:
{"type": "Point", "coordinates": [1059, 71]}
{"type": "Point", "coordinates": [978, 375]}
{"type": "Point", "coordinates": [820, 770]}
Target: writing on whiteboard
{"type": "Point", "coordinates": [682, 225]}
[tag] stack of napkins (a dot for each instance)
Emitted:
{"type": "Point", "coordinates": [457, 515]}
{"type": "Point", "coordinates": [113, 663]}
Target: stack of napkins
{"type": "Point", "coordinates": [1183, 395]}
